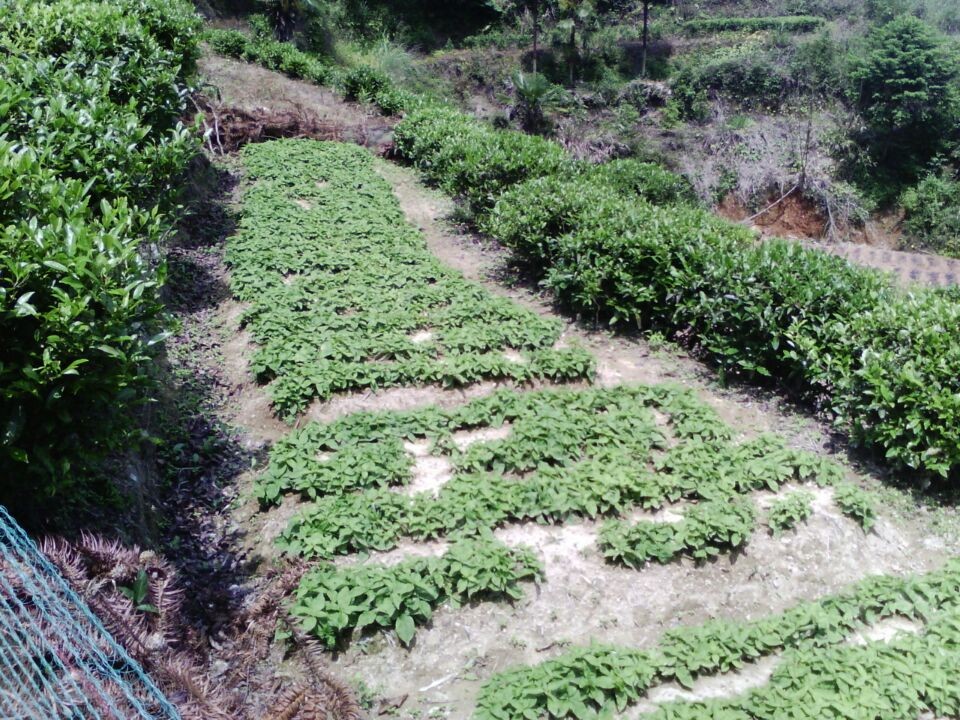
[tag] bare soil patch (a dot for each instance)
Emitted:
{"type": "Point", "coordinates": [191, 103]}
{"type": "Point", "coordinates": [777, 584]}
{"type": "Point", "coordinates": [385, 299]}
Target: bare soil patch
{"type": "Point", "coordinates": [263, 93]}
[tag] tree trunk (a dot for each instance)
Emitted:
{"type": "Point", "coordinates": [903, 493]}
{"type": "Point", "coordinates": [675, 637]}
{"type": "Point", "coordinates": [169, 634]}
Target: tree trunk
{"type": "Point", "coordinates": [646, 37]}
{"type": "Point", "coordinates": [536, 33]}
{"type": "Point", "coordinates": [573, 54]}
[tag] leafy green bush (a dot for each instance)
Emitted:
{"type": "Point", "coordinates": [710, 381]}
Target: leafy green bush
{"type": "Point", "coordinates": [271, 54]}
{"type": "Point", "coordinates": [231, 43]}
{"type": "Point", "coordinates": [786, 24]}
{"type": "Point", "coordinates": [689, 96]}
{"type": "Point", "coordinates": [932, 219]}
{"type": "Point", "coordinates": [92, 94]}
{"type": "Point", "coordinates": [367, 84]}
{"type": "Point", "coordinates": [747, 77]}
{"type": "Point", "coordinates": [364, 83]}
{"type": "Point", "coordinates": [261, 26]}
{"type": "Point", "coordinates": [472, 159]}
{"type": "Point", "coordinates": [891, 372]}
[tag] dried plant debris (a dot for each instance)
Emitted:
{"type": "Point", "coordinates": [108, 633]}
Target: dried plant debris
{"type": "Point", "coordinates": [228, 128]}
{"type": "Point", "coordinates": [135, 594]}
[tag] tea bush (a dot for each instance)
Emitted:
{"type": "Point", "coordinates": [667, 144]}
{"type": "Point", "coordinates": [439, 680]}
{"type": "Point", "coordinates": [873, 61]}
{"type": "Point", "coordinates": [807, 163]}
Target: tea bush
{"type": "Point", "coordinates": [469, 158]}
{"type": "Point", "coordinates": [272, 54]}
{"type": "Point", "coordinates": [90, 153]}
{"type": "Point", "coordinates": [932, 209]}
{"type": "Point", "coordinates": [785, 24]}
{"type": "Point", "coordinates": [885, 362]}
{"type": "Point", "coordinates": [646, 180]}
{"type": "Point", "coordinates": [363, 83]}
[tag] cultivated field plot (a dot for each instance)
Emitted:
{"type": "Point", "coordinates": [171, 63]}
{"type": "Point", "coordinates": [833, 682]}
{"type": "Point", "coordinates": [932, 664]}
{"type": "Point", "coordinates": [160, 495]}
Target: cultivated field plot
{"type": "Point", "coordinates": [559, 552]}
{"type": "Point", "coordinates": [482, 536]}
{"type": "Point", "coordinates": [343, 294]}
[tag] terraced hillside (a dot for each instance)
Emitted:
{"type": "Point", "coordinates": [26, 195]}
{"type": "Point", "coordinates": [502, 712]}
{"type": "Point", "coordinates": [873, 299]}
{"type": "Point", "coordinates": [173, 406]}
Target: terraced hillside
{"type": "Point", "coordinates": [527, 550]}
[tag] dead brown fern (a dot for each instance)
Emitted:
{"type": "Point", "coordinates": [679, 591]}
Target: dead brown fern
{"type": "Point", "coordinates": [155, 634]}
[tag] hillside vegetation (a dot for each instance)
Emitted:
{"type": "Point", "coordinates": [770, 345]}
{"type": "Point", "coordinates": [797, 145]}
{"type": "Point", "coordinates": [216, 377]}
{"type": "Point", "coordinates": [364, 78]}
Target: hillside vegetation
{"type": "Point", "coordinates": [850, 108]}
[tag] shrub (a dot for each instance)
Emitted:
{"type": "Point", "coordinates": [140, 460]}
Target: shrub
{"type": "Point", "coordinates": [788, 24]}
{"type": "Point", "coordinates": [689, 96]}
{"type": "Point", "coordinates": [891, 371]}
{"type": "Point", "coordinates": [271, 54]}
{"type": "Point", "coordinates": [933, 214]}
{"type": "Point", "coordinates": [530, 217]}
{"type": "Point", "coordinates": [92, 149]}
{"type": "Point", "coordinates": [364, 83]}
{"type": "Point", "coordinates": [261, 26]}
{"type": "Point", "coordinates": [474, 160]}
{"type": "Point", "coordinates": [231, 43]}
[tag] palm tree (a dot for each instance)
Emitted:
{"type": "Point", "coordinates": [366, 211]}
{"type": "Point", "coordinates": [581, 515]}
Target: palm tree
{"type": "Point", "coordinates": [533, 94]}
{"type": "Point", "coordinates": [578, 14]}
{"type": "Point", "coordinates": [285, 13]}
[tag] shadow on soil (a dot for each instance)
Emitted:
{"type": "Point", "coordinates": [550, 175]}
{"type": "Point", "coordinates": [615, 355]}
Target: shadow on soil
{"type": "Point", "coordinates": [198, 456]}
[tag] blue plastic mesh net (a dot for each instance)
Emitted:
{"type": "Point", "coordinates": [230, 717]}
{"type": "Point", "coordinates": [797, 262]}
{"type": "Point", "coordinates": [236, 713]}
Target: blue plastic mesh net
{"type": "Point", "coordinates": [57, 661]}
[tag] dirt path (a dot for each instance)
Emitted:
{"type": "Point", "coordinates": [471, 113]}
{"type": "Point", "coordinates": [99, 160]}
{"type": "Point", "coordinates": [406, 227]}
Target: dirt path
{"type": "Point", "coordinates": [584, 599]}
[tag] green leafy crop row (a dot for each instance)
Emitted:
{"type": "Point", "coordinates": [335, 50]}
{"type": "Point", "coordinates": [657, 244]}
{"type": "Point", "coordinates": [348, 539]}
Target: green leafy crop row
{"type": "Point", "coordinates": [335, 603]}
{"type": "Point", "coordinates": [705, 531]}
{"type": "Point", "coordinates": [590, 453]}
{"type": "Point", "coordinates": [344, 294]}
{"type": "Point", "coordinates": [885, 362]}
{"type": "Point", "coordinates": [821, 675]}
{"type": "Point", "coordinates": [91, 150]}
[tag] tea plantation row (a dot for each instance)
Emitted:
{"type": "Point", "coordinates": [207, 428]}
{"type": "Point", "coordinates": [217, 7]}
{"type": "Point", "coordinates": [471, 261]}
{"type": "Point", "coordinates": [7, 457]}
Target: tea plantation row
{"type": "Point", "coordinates": [90, 150]}
{"type": "Point", "coordinates": [885, 362]}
